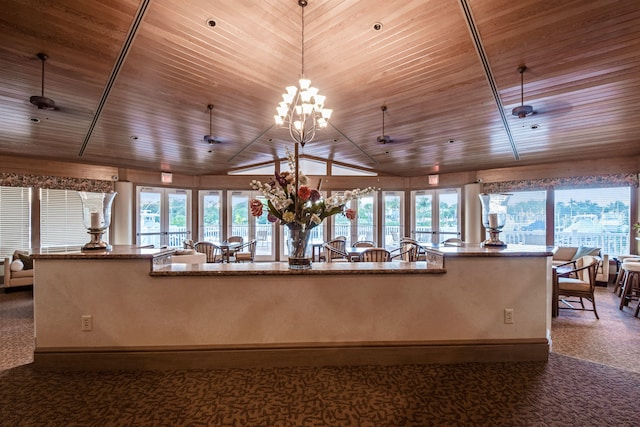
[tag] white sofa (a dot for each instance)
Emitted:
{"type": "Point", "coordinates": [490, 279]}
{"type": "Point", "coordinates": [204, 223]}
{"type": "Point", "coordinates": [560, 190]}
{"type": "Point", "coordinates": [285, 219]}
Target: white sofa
{"type": "Point", "coordinates": [565, 254]}
{"type": "Point", "coordinates": [14, 274]}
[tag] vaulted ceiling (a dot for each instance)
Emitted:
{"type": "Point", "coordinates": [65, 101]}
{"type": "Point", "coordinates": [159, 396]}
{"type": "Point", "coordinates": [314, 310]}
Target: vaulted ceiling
{"type": "Point", "coordinates": [132, 79]}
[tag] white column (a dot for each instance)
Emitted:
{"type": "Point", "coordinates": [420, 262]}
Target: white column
{"type": "Point", "coordinates": [122, 214]}
{"type": "Point", "coordinates": [472, 213]}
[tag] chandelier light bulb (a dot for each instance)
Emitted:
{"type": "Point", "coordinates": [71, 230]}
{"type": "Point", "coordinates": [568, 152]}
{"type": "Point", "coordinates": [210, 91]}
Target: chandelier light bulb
{"type": "Point", "coordinates": [304, 84]}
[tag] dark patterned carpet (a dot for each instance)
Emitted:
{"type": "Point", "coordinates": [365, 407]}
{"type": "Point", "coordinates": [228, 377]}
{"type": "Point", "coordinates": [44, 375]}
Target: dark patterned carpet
{"type": "Point", "coordinates": [564, 391]}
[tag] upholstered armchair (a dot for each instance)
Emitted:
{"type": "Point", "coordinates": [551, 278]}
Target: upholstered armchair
{"type": "Point", "coordinates": [18, 270]}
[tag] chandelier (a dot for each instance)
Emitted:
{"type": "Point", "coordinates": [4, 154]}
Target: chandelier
{"type": "Point", "coordinates": [302, 108]}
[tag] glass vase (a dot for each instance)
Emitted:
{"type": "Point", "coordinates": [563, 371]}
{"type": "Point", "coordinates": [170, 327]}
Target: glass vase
{"type": "Point", "coordinates": [297, 247]}
{"type": "Point", "coordinates": [494, 216]}
{"type": "Point", "coordinates": [96, 216]}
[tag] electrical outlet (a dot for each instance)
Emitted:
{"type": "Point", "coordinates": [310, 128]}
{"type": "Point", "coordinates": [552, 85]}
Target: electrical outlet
{"type": "Point", "coordinates": [508, 316]}
{"type": "Point", "coordinates": [87, 322]}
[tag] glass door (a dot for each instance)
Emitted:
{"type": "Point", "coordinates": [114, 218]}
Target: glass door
{"type": "Point", "coordinates": [363, 227]}
{"type": "Point", "coordinates": [164, 217]}
{"type": "Point", "coordinates": [366, 224]}
{"type": "Point", "coordinates": [242, 223]}
{"type": "Point", "coordinates": [393, 223]}
{"type": "Point", "coordinates": [422, 216]}
{"type": "Point", "coordinates": [436, 215]}
{"type": "Point", "coordinates": [210, 217]}
{"type": "Point", "coordinates": [448, 215]}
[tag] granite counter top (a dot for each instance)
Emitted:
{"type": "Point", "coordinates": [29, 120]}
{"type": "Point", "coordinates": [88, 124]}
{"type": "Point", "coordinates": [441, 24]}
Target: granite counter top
{"type": "Point", "coordinates": [282, 268]}
{"type": "Point", "coordinates": [117, 252]}
{"type": "Point", "coordinates": [476, 250]}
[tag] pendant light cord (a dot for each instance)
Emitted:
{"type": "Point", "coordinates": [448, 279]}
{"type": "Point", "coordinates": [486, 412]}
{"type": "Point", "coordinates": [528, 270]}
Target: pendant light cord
{"type": "Point", "coordinates": [522, 87]}
{"type": "Point", "coordinates": [302, 5]}
{"type": "Point", "coordinates": [42, 86]}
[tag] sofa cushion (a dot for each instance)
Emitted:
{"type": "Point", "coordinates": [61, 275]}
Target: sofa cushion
{"type": "Point", "coordinates": [16, 265]}
{"type": "Point", "coordinates": [25, 258]}
{"type": "Point", "coordinates": [565, 253]}
{"type": "Point", "coordinates": [584, 251]}
{"type": "Point", "coordinates": [22, 273]}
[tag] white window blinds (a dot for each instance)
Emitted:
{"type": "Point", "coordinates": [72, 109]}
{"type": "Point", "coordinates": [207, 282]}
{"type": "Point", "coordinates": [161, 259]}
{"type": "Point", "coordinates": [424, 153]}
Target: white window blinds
{"type": "Point", "coordinates": [15, 219]}
{"type": "Point", "coordinates": [61, 219]}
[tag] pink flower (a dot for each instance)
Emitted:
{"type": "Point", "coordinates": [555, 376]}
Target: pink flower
{"type": "Point", "coordinates": [272, 218]}
{"type": "Point", "coordinates": [350, 213]}
{"type": "Point", "coordinates": [256, 207]}
{"type": "Point", "coordinates": [304, 193]}
{"type": "Point", "coordinates": [315, 195]}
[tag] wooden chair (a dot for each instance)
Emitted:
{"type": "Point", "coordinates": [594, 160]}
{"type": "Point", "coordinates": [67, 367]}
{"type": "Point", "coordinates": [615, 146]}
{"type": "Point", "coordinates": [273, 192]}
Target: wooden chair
{"type": "Point", "coordinates": [576, 282]}
{"type": "Point", "coordinates": [364, 244]}
{"type": "Point", "coordinates": [375, 255]}
{"type": "Point", "coordinates": [422, 254]}
{"type": "Point", "coordinates": [211, 250]}
{"type": "Point", "coordinates": [406, 252]}
{"type": "Point", "coordinates": [247, 252]}
{"type": "Point", "coordinates": [231, 252]}
{"type": "Point", "coordinates": [334, 250]}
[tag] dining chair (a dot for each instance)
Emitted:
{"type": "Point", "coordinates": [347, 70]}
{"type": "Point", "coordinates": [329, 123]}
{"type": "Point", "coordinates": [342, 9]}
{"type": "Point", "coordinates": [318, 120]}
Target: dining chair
{"type": "Point", "coordinates": [406, 252]}
{"type": "Point", "coordinates": [364, 244]}
{"type": "Point", "coordinates": [576, 282]}
{"type": "Point", "coordinates": [334, 250]}
{"type": "Point", "coordinates": [376, 255]}
{"type": "Point", "coordinates": [211, 250]}
{"type": "Point", "coordinates": [233, 239]}
{"type": "Point", "coordinates": [246, 252]}
{"type": "Point", "coordinates": [422, 254]}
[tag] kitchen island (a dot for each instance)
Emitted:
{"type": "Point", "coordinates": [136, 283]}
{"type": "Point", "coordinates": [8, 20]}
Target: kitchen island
{"type": "Point", "coordinates": [146, 312]}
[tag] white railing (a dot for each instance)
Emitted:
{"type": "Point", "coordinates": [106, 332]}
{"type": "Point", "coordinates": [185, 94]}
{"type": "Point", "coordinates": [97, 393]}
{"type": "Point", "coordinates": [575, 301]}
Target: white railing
{"type": "Point", "coordinates": [612, 244]}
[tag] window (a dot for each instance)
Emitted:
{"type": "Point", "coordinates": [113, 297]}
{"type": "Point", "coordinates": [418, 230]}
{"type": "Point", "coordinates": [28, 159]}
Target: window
{"type": "Point", "coordinates": [526, 218]}
{"type": "Point", "coordinates": [594, 217]}
{"type": "Point", "coordinates": [15, 219]}
{"type": "Point", "coordinates": [61, 219]}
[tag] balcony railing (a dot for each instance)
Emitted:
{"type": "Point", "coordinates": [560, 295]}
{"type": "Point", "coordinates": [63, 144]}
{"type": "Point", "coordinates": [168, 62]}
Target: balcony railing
{"type": "Point", "coordinates": [609, 243]}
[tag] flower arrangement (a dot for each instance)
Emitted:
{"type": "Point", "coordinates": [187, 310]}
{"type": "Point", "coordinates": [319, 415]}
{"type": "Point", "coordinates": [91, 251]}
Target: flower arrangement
{"type": "Point", "coordinates": [298, 206]}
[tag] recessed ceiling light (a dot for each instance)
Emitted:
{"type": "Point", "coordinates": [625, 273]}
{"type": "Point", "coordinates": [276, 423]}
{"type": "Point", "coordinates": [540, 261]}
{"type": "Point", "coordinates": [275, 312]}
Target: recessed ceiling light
{"type": "Point", "coordinates": [535, 126]}
{"type": "Point", "coordinates": [35, 119]}
{"type": "Point", "coordinates": [377, 26]}
{"type": "Point", "coordinates": [451, 141]}
{"type": "Point", "coordinates": [133, 137]}
{"type": "Point", "coordinates": [211, 22]}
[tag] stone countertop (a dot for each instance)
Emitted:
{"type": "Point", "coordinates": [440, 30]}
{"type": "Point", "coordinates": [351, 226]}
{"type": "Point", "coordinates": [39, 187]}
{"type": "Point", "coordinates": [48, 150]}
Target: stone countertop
{"type": "Point", "coordinates": [476, 250]}
{"type": "Point", "coordinates": [282, 268]}
{"type": "Point", "coordinates": [117, 252]}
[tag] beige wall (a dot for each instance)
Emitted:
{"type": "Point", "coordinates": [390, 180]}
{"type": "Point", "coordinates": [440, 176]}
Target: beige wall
{"type": "Point", "coordinates": [131, 309]}
{"type": "Point", "coordinates": [138, 177]}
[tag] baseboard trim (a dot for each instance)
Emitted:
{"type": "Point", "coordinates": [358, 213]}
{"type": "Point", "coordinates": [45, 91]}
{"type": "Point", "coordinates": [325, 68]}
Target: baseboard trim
{"type": "Point", "coordinates": [202, 358]}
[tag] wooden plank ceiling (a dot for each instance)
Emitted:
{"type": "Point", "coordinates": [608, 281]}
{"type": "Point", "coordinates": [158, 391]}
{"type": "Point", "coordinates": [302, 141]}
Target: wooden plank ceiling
{"type": "Point", "coordinates": [132, 80]}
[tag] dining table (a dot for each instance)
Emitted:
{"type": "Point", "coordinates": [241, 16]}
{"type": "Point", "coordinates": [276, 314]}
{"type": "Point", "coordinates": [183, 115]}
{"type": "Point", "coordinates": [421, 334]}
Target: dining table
{"type": "Point", "coordinates": [228, 248]}
{"type": "Point", "coordinates": [354, 253]}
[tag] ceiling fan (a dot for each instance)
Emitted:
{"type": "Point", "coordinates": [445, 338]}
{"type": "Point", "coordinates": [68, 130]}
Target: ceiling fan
{"type": "Point", "coordinates": [385, 139]}
{"type": "Point", "coordinates": [210, 138]}
{"type": "Point", "coordinates": [42, 102]}
{"type": "Point", "coordinates": [522, 110]}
